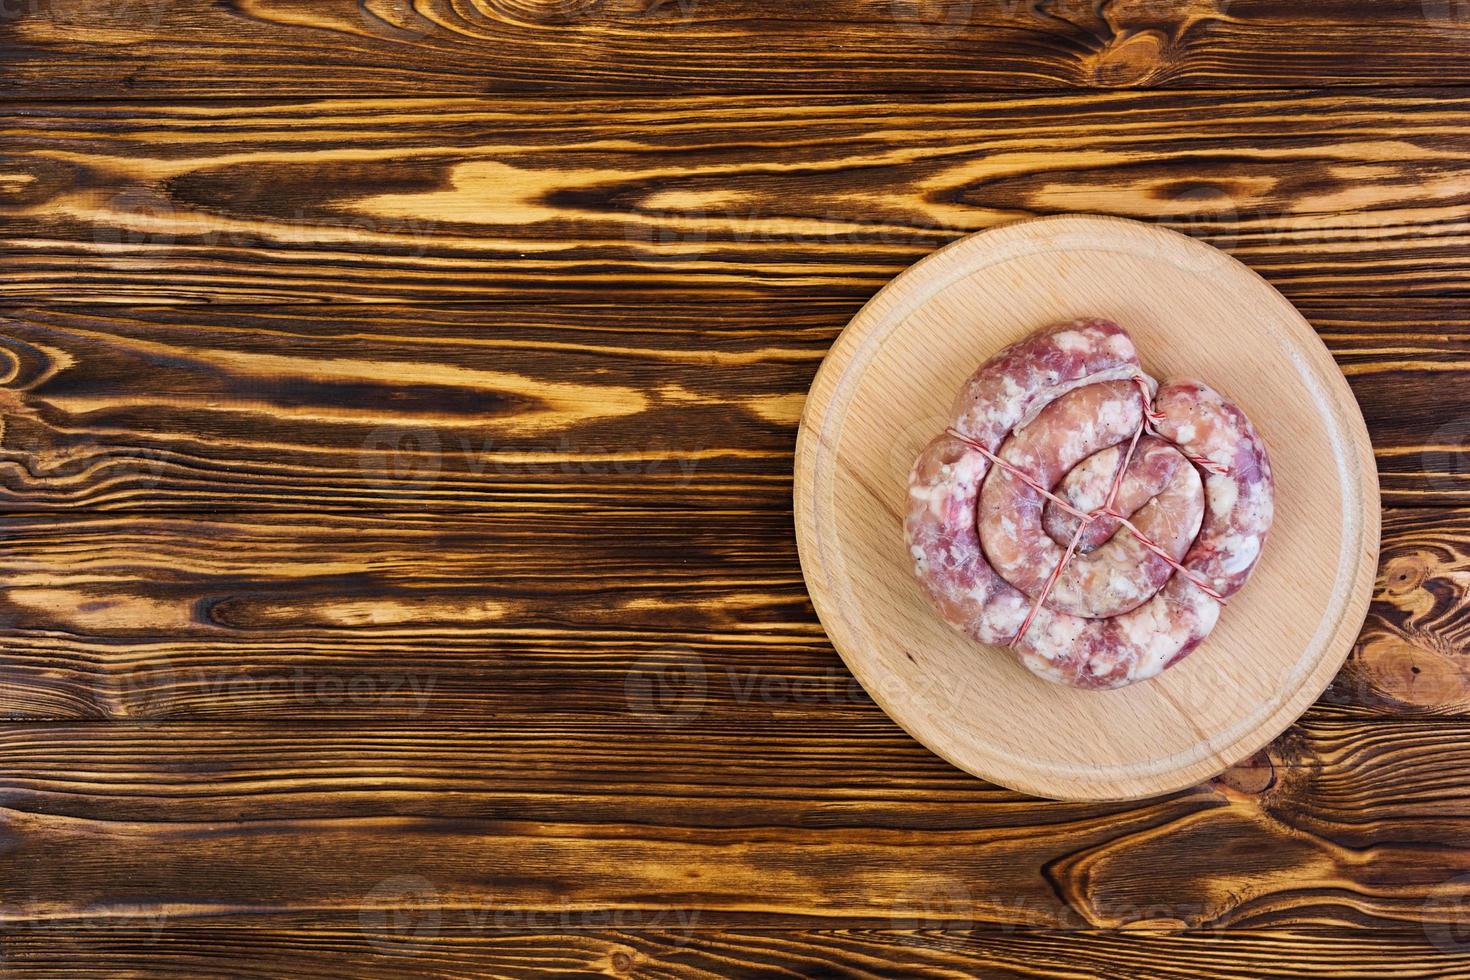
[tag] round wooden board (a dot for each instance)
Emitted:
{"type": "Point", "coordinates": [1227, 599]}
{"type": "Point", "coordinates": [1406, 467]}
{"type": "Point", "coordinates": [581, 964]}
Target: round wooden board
{"type": "Point", "coordinates": [885, 389]}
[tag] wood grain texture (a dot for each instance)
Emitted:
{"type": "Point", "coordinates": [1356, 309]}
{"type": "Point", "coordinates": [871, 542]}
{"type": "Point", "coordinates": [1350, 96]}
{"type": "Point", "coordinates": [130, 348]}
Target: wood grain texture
{"type": "Point", "coordinates": [1326, 194]}
{"type": "Point", "coordinates": [565, 516]}
{"type": "Point", "coordinates": [661, 618]}
{"type": "Point", "coordinates": [534, 825]}
{"type": "Point", "coordinates": [575, 404]}
{"type": "Point", "coordinates": [421, 947]}
{"type": "Point", "coordinates": [72, 49]}
{"type": "Point", "coordinates": [591, 405]}
{"type": "Point", "coordinates": [1388, 349]}
{"type": "Point", "coordinates": [1411, 650]}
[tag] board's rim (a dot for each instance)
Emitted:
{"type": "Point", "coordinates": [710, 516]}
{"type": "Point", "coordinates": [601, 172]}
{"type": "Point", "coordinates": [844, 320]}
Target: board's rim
{"type": "Point", "coordinates": [1360, 536]}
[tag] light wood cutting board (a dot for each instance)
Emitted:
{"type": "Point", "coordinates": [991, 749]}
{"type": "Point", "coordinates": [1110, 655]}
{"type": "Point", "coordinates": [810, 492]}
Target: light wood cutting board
{"type": "Point", "coordinates": [885, 389]}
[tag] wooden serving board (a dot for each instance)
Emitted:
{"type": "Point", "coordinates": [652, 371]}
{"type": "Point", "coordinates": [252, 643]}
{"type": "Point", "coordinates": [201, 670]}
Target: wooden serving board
{"type": "Point", "coordinates": [886, 388]}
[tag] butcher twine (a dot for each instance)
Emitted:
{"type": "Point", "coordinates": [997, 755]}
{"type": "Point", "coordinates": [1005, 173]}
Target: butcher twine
{"type": "Point", "coordinates": [1106, 510]}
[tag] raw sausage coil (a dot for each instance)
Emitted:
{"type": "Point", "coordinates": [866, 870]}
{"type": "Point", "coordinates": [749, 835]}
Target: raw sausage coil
{"type": "Point", "coordinates": [1087, 517]}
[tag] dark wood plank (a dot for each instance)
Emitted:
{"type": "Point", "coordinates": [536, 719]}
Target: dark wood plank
{"type": "Point", "coordinates": [1414, 651]}
{"type": "Point", "coordinates": [382, 615]}
{"type": "Point", "coordinates": [421, 945]}
{"type": "Point", "coordinates": [71, 49]}
{"type": "Point", "coordinates": [590, 405]}
{"type": "Point", "coordinates": [581, 404]}
{"type": "Point", "coordinates": [662, 617]}
{"type": "Point", "coordinates": [819, 823]}
{"type": "Point", "coordinates": [1404, 360]}
{"type": "Point", "coordinates": [1327, 194]}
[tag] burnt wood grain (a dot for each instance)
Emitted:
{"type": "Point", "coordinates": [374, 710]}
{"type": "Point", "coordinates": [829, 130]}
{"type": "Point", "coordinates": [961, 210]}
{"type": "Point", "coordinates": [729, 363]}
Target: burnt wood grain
{"type": "Point", "coordinates": [262, 825]}
{"type": "Point", "coordinates": [418, 944]}
{"type": "Point", "coordinates": [1411, 652]}
{"type": "Point", "coordinates": [1335, 194]}
{"type": "Point", "coordinates": [587, 403]}
{"type": "Point", "coordinates": [661, 617]}
{"type": "Point", "coordinates": [397, 400]}
{"type": "Point", "coordinates": [75, 49]}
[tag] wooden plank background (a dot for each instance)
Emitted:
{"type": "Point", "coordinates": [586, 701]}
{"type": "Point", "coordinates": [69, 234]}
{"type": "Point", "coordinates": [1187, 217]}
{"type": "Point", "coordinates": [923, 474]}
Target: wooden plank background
{"type": "Point", "coordinates": [73, 48]}
{"type": "Point", "coordinates": [398, 399]}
